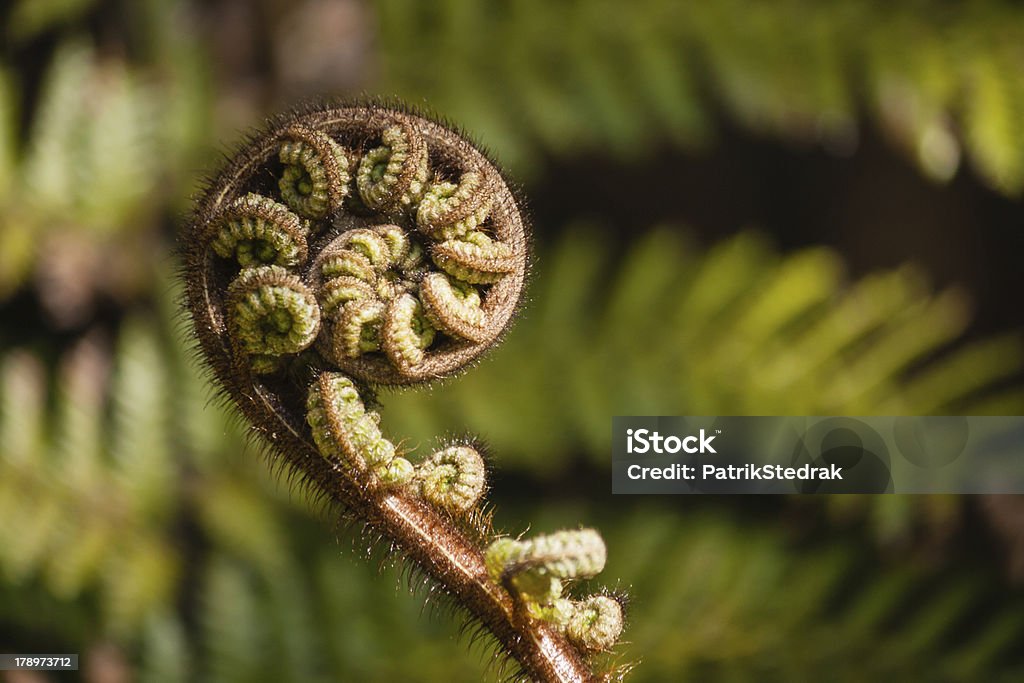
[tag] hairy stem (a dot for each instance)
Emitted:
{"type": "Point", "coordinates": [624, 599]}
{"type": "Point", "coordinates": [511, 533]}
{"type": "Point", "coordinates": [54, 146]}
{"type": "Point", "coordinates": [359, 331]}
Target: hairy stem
{"type": "Point", "coordinates": [424, 535]}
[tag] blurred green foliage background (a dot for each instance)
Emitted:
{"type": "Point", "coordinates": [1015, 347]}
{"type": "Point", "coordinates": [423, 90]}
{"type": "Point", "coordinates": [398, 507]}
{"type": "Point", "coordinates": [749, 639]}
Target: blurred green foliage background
{"type": "Point", "coordinates": [782, 207]}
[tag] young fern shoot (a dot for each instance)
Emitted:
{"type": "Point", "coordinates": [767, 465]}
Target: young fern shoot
{"type": "Point", "coordinates": [351, 247]}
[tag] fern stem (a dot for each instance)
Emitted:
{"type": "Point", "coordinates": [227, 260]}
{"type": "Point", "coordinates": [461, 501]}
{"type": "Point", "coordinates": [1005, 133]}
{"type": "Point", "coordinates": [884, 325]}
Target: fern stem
{"type": "Point", "coordinates": [447, 555]}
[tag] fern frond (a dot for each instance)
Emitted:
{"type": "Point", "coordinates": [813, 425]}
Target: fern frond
{"type": "Point", "coordinates": [321, 619]}
{"type": "Point", "coordinates": [944, 82]}
{"type": "Point", "coordinates": [720, 599]}
{"type": "Point", "coordinates": [93, 146]}
{"type": "Point", "coordinates": [77, 516]}
{"type": "Point", "coordinates": [80, 198]}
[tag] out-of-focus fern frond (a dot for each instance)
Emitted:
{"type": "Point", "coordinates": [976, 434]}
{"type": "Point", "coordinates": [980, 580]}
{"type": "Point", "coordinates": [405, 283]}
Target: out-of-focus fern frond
{"type": "Point", "coordinates": [94, 147]}
{"type": "Point", "coordinates": [323, 619]}
{"type": "Point", "coordinates": [95, 478]}
{"type": "Point", "coordinates": [81, 200]}
{"type": "Point", "coordinates": [79, 500]}
{"type": "Point", "coordinates": [738, 330]}
{"type": "Point", "coordinates": [944, 81]}
{"type": "Point", "coordinates": [720, 600]}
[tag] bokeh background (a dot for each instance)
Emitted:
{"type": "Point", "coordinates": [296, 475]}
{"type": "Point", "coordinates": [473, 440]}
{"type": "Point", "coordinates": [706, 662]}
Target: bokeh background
{"type": "Point", "coordinates": [784, 207]}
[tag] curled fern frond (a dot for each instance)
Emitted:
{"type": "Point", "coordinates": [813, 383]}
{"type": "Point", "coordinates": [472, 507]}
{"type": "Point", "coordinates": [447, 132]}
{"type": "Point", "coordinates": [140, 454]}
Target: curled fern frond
{"type": "Point", "coordinates": [453, 479]}
{"type": "Point", "coordinates": [345, 431]}
{"type": "Point", "coordinates": [450, 210]}
{"type": "Point", "coordinates": [563, 555]}
{"type": "Point", "coordinates": [596, 623]}
{"type": "Point", "coordinates": [256, 230]}
{"type": "Point", "coordinates": [315, 177]}
{"type": "Point", "coordinates": [476, 258]}
{"type": "Point", "coordinates": [271, 313]}
{"type": "Point", "coordinates": [393, 175]}
{"type": "Point", "coordinates": [536, 570]}
{"type": "Point", "coordinates": [404, 277]}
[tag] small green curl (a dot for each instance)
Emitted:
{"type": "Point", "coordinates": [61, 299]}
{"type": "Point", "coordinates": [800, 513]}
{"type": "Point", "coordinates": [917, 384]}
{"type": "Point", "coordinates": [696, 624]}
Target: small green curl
{"type": "Point", "coordinates": [393, 176]}
{"type": "Point", "coordinates": [344, 431]}
{"type": "Point", "coordinates": [596, 623]}
{"type": "Point", "coordinates": [271, 313]}
{"type": "Point", "coordinates": [258, 231]}
{"type": "Point", "coordinates": [449, 210]}
{"type": "Point", "coordinates": [348, 262]}
{"type": "Point", "coordinates": [535, 570]}
{"type": "Point", "coordinates": [371, 245]}
{"type": "Point", "coordinates": [406, 255]}
{"type": "Point", "coordinates": [563, 554]}
{"type": "Point", "coordinates": [406, 333]}
{"type": "Point", "coordinates": [369, 276]}
{"type": "Point", "coordinates": [338, 291]}
{"type": "Point", "coordinates": [316, 172]}
{"type": "Point", "coordinates": [398, 472]}
{"type": "Point", "coordinates": [380, 256]}
{"type": "Point", "coordinates": [475, 258]}
{"type": "Point", "coordinates": [454, 307]}
{"type": "Point", "coordinates": [453, 479]}
{"type": "Point", "coordinates": [356, 328]}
